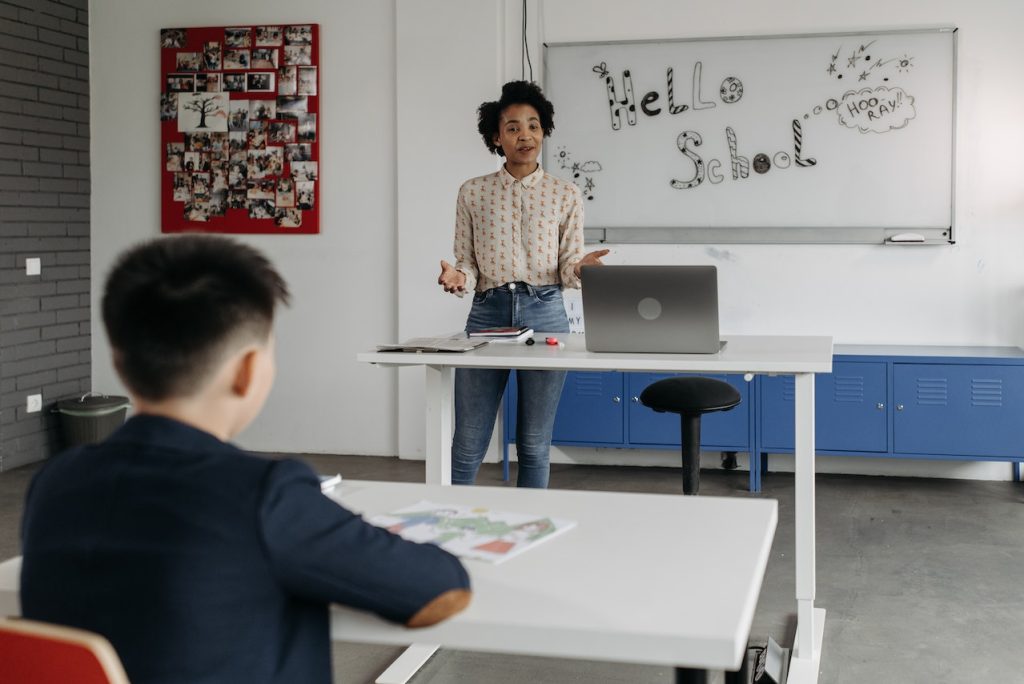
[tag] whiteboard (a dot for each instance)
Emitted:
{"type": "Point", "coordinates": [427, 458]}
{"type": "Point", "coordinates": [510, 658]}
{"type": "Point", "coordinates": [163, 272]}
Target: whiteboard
{"type": "Point", "coordinates": [799, 138]}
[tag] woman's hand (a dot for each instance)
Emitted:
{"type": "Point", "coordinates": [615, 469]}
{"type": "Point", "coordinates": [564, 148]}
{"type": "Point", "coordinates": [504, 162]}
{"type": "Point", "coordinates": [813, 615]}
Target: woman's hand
{"type": "Point", "coordinates": [452, 279]}
{"type": "Point", "coordinates": [591, 259]}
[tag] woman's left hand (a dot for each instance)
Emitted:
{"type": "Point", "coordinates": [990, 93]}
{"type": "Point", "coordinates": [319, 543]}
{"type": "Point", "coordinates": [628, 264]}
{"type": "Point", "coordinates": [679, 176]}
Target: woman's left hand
{"type": "Point", "coordinates": [591, 259]}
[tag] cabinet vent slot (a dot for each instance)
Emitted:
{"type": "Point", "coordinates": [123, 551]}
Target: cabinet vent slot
{"type": "Point", "coordinates": [932, 391]}
{"type": "Point", "coordinates": [849, 388]}
{"type": "Point", "coordinates": [986, 392]}
{"type": "Point", "coordinates": [789, 388]}
{"type": "Point", "coordinates": [588, 384]}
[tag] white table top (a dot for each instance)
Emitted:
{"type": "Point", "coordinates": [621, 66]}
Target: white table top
{"type": "Point", "coordinates": [741, 354]}
{"type": "Point", "coordinates": [657, 579]}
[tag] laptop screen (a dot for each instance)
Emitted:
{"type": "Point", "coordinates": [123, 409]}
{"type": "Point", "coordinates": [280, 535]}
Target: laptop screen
{"type": "Point", "coordinates": [660, 309]}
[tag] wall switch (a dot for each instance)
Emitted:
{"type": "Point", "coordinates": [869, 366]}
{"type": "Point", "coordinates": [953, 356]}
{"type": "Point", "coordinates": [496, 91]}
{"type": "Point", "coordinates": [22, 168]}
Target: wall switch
{"type": "Point", "coordinates": [34, 403]}
{"type": "Point", "coordinates": [33, 266]}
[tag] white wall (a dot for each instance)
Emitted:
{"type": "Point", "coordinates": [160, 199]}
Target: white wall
{"type": "Point", "coordinates": [392, 179]}
{"type": "Point", "coordinates": [343, 280]}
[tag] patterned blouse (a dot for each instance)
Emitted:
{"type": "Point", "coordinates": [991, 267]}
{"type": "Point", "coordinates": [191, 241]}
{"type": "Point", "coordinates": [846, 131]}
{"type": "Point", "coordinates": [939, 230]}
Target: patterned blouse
{"type": "Point", "coordinates": [507, 230]}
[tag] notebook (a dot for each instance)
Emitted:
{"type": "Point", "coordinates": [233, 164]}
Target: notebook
{"type": "Point", "coordinates": [434, 344]}
{"type": "Point", "coordinates": [656, 309]}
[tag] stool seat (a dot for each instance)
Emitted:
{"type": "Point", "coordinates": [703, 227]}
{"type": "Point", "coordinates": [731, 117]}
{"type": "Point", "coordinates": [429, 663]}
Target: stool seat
{"type": "Point", "coordinates": [690, 397]}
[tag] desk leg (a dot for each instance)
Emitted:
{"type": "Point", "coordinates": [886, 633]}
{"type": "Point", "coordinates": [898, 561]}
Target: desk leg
{"type": "Point", "coordinates": [810, 621]}
{"type": "Point", "coordinates": [407, 664]}
{"type": "Point", "coordinates": [439, 425]}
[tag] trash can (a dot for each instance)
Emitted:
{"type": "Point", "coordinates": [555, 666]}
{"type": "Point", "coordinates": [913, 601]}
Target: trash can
{"type": "Point", "coordinates": [91, 418]}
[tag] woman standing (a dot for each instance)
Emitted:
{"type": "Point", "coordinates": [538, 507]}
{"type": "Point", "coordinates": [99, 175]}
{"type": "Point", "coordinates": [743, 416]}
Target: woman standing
{"type": "Point", "coordinates": [518, 242]}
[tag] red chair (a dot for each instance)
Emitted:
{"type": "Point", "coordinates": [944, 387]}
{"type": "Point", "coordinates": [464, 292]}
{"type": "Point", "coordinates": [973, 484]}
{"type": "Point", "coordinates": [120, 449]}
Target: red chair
{"type": "Point", "coordinates": [40, 653]}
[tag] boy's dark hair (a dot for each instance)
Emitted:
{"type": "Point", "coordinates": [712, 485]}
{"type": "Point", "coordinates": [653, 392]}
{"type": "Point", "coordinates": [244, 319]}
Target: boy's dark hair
{"type": "Point", "coordinates": [172, 307]}
{"type": "Point", "coordinates": [513, 93]}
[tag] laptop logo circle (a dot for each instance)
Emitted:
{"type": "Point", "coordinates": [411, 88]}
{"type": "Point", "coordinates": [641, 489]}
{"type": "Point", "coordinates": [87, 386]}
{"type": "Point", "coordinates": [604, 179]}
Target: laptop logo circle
{"type": "Point", "coordinates": [649, 308]}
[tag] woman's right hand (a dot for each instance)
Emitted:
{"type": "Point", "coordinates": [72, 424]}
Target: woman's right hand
{"type": "Point", "coordinates": [451, 279]}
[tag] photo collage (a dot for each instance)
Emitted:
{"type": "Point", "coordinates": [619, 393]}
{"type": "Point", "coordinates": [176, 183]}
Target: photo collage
{"type": "Point", "coordinates": [239, 108]}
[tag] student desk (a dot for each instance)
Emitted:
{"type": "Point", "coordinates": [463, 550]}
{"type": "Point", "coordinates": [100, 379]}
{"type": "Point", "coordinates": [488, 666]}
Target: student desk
{"type": "Point", "coordinates": [799, 356]}
{"type": "Point", "coordinates": [641, 578]}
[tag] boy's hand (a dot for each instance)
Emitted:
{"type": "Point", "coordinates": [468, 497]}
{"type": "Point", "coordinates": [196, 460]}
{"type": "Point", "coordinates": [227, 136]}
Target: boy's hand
{"type": "Point", "coordinates": [451, 278]}
{"type": "Point", "coordinates": [591, 259]}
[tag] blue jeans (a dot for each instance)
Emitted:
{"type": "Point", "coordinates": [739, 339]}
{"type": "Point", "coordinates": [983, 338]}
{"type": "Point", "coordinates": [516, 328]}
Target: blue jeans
{"type": "Point", "coordinates": [478, 390]}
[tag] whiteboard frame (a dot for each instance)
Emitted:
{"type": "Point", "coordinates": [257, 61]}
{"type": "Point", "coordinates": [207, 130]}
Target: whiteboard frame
{"type": "Point", "coordinates": [773, 235]}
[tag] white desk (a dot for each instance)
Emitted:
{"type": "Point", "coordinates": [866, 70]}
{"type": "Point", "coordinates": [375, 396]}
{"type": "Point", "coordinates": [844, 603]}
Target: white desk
{"type": "Point", "coordinates": [642, 578]}
{"type": "Point", "coordinates": [800, 356]}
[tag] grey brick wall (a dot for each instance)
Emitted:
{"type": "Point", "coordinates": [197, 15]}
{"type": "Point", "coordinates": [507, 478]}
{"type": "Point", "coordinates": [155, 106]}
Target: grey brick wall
{"type": "Point", "coordinates": [44, 213]}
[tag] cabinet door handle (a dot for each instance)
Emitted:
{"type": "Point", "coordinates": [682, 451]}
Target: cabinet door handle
{"type": "Point", "coordinates": [636, 400]}
{"type": "Point", "coordinates": [616, 400]}
{"type": "Point", "coordinates": [899, 407]}
{"type": "Point", "coordinates": [879, 406]}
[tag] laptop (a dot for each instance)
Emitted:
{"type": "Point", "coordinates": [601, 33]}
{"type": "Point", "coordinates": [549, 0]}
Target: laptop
{"type": "Point", "coordinates": [656, 309]}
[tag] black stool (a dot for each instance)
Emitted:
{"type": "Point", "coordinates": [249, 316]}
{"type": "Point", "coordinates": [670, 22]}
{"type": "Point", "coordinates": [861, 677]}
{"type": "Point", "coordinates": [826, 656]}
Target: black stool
{"type": "Point", "coordinates": [690, 397]}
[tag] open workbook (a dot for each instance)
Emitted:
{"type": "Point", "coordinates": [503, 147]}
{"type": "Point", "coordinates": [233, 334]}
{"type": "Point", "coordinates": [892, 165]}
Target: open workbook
{"type": "Point", "coordinates": [472, 531]}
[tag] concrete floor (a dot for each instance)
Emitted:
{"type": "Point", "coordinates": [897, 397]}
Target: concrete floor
{"type": "Point", "coordinates": [922, 578]}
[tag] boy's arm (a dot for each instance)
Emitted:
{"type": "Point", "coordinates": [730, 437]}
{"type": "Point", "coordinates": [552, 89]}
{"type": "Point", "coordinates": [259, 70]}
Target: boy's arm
{"type": "Point", "coordinates": [323, 552]}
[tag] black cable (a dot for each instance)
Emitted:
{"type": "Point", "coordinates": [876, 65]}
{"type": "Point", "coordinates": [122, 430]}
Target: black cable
{"type": "Point", "coordinates": [526, 48]}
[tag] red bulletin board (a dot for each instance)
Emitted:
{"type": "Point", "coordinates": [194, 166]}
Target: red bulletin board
{"type": "Point", "coordinates": [240, 129]}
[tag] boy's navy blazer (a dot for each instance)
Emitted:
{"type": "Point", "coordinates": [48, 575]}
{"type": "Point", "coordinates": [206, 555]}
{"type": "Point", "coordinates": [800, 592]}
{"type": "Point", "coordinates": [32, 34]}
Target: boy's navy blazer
{"type": "Point", "coordinates": [201, 563]}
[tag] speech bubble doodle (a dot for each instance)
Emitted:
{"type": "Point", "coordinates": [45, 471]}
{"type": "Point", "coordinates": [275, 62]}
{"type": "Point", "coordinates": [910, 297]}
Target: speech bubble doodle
{"type": "Point", "coordinates": [876, 110]}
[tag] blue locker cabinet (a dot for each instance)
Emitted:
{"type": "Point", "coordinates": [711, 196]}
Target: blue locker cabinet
{"type": "Point", "coordinates": [958, 410]}
{"type": "Point", "coordinates": [849, 405]}
{"type": "Point", "coordinates": [589, 412]}
{"type": "Point", "coordinates": [720, 431]}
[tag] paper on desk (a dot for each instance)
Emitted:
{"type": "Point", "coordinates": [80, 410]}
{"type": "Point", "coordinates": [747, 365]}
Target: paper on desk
{"type": "Point", "coordinates": [472, 531]}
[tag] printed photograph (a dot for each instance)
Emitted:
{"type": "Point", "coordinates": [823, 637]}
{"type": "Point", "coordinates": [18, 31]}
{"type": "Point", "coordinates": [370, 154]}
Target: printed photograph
{"type": "Point", "coordinates": [218, 177]}
{"type": "Point", "coordinates": [238, 115]}
{"type": "Point", "coordinates": [197, 142]}
{"type": "Point", "coordinates": [234, 83]}
{"type": "Point", "coordinates": [196, 162]}
{"type": "Point", "coordinates": [287, 78]}
{"type": "Point", "coordinates": [187, 61]}
{"type": "Point", "coordinates": [168, 106]}
{"type": "Point", "coordinates": [298, 153]}
{"type": "Point", "coordinates": [257, 136]}
{"type": "Point", "coordinates": [263, 163]}
{"type": "Point", "coordinates": [282, 132]}
{"type": "Point", "coordinates": [285, 192]}
{"type": "Point", "coordinates": [181, 83]}
{"type": "Point", "coordinates": [307, 128]}
{"type": "Point", "coordinates": [304, 171]}
{"type": "Point", "coordinates": [264, 58]}
{"type": "Point", "coordinates": [172, 38]}
{"type": "Point", "coordinates": [305, 192]}
{"type": "Point", "coordinates": [307, 81]}
{"type": "Point", "coordinates": [269, 36]}
{"type": "Point", "coordinates": [291, 104]}
{"type": "Point", "coordinates": [207, 83]}
{"type": "Point", "coordinates": [202, 112]}
{"type": "Point", "coordinates": [237, 38]}
{"type": "Point", "coordinates": [237, 199]}
{"type": "Point", "coordinates": [175, 157]}
{"type": "Point", "coordinates": [197, 211]}
{"type": "Point", "coordinates": [288, 218]}
{"type": "Point", "coordinates": [200, 187]}
{"type": "Point", "coordinates": [261, 209]}
{"type": "Point", "coordinates": [237, 140]}
{"type": "Point", "coordinates": [260, 81]}
{"type": "Point", "coordinates": [262, 109]}
{"type": "Point", "coordinates": [261, 189]}
{"type": "Point", "coordinates": [299, 55]}
{"type": "Point", "coordinates": [211, 56]}
{"type": "Point", "coordinates": [237, 175]}
{"type": "Point", "coordinates": [218, 202]}
{"type": "Point", "coordinates": [236, 59]}
{"type": "Point", "coordinates": [182, 187]}
{"type": "Point", "coordinates": [298, 35]}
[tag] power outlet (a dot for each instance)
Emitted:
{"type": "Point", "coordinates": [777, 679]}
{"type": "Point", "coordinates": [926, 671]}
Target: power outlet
{"type": "Point", "coordinates": [34, 403]}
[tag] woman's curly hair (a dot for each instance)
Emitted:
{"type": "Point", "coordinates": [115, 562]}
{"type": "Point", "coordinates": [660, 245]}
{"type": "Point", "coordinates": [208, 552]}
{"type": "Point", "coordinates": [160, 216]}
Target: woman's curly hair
{"type": "Point", "coordinates": [513, 93]}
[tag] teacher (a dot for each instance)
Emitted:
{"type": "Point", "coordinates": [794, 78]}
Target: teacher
{"type": "Point", "coordinates": [518, 242]}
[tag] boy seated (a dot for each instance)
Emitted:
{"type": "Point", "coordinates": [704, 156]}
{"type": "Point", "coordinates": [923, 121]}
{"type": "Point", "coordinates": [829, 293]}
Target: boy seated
{"type": "Point", "coordinates": [199, 562]}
